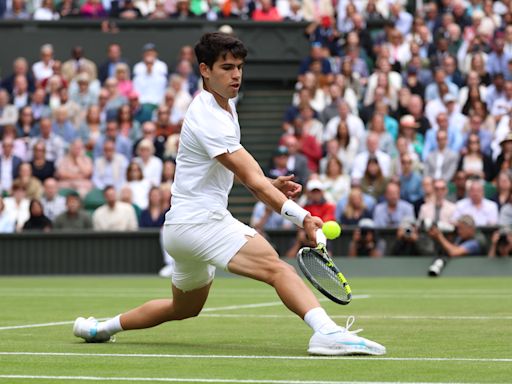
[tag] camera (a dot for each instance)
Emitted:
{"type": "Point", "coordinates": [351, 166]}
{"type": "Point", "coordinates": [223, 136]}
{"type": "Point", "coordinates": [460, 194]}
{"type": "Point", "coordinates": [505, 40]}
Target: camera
{"type": "Point", "coordinates": [408, 231]}
{"type": "Point", "coordinates": [503, 239]}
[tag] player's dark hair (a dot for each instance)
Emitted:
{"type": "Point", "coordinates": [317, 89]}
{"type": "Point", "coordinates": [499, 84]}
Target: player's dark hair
{"type": "Point", "coordinates": [217, 44]}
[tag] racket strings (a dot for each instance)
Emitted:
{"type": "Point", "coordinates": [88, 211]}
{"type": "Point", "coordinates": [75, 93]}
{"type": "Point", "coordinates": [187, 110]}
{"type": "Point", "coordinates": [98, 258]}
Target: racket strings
{"type": "Point", "coordinates": [325, 276]}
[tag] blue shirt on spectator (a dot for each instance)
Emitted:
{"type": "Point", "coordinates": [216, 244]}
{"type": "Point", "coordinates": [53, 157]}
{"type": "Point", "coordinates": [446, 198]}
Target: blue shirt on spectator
{"type": "Point", "coordinates": [368, 200]}
{"type": "Point", "coordinates": [410, 187]}
{"type": "Point", "coordinates": [383, 218]}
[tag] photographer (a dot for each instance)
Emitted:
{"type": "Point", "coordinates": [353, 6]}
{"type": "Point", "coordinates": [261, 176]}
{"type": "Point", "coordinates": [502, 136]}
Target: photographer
{"type": "Point", "coordinates": [468, 241]}
{"type": "Point", "coordinates": [410, 241]}
{"type": "Point", "coordinates": [501, 243]}
{"type": "Point", "coordinates": [365, 241]}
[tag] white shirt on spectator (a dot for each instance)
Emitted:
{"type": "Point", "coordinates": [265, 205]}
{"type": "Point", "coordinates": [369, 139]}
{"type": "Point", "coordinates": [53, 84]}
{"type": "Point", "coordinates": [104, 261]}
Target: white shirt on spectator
{"type": "Point", "coordinates": [151, 87]}
{"type": "Point", "coordinates": [486, 214]}
{"type": "Point", "coordinates": [42, 71]}
{"type": "Point", "coordinates": [54, 207]}
{"type": "Point", "coordinates": [354, 124]}
{"type": "Point", "coordinates": [18, 212]}
{"type": "Point", "coordinates": [361, 160]}
{"type": "Point", "coordinates": [140, 192]}
{"type": "Point", "coordinates": [159, 67]}
{"type": "Point", "coordinates": [6, 174]}
{"type": "Point", "coordinates": [152, 170]}
{"type": "Point", "coordinates": [120, 218]}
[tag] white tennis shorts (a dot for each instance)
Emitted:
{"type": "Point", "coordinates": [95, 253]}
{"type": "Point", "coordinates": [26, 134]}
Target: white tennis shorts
{"type": "Point", "coordinates": [199, 248]}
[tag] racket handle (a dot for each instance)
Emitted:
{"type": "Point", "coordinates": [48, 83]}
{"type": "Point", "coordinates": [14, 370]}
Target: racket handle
{"type": "Point", "coordinates": [320, 237]}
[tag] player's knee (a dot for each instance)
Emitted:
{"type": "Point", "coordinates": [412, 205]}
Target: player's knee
{"type": "Point", "coordinates": [281, 270]}
{"type": "Point", "coordinates": [187, 314]}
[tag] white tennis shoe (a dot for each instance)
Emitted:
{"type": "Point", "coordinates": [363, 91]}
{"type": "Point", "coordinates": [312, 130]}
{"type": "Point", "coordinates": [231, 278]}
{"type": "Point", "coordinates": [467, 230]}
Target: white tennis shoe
{"type": "Point", "coordinates": [87, 329]}
{"type": "Point", "coordinates": [341, 341]}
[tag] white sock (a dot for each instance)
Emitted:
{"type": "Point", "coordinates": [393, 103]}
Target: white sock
{"type": "Point", "coordinates": [111, 326]}
{"type": "Point", "coordinates": [317, 319]}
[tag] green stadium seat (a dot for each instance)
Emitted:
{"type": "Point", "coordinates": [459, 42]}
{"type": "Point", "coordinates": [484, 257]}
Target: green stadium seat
{"type": "Point", "coordinates": [93, 200]}
{"type": "Point", "coordinates": [66, 191]}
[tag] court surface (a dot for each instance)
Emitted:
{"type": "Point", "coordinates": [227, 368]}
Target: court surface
{"type": "Point", "coordinates": [446, 330]}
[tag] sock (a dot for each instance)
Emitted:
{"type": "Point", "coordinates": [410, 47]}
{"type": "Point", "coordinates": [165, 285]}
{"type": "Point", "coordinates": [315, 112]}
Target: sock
{"type": "Point", "coordinates": [111, 326]}
{"type": "Point", "coordinates": [317, 319]}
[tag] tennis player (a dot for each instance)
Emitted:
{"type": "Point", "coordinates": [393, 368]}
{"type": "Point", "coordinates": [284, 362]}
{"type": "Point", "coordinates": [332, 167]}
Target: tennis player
{"type": "Point", "coordinates": [200, 232]}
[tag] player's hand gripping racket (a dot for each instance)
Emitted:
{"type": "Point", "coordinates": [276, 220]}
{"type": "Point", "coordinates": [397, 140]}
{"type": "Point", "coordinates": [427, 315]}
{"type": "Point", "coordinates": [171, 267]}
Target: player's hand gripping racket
{"type": "Point", "coordinates": [323, 274]}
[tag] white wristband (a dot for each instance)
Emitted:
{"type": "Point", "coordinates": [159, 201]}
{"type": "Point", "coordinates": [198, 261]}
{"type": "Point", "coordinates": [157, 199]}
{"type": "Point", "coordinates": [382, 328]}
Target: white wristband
{"type": "Point", "coordinates": [294, 212]}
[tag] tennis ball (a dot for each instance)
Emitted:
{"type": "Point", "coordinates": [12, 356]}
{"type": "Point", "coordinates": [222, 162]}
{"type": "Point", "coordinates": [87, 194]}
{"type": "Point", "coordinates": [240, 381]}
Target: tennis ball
{"type": "Point", "coordinates": [331, 229]}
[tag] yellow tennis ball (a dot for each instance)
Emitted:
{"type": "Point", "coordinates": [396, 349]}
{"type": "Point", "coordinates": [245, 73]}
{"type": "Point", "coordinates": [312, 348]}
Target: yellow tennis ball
{"type": "Point", "coordinates": [331, 229]}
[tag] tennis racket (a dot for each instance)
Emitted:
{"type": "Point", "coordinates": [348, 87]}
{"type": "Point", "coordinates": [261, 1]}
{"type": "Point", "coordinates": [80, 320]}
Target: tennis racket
{"type": "Point", "coordinates": [322, 273]}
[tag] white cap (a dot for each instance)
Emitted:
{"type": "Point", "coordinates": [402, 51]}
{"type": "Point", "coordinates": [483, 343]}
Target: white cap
{"type": "Point", "coordinates": [315, 184]}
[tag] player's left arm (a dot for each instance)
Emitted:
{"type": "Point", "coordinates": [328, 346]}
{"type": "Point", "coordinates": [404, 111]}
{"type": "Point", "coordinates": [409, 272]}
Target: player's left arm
{"type": "Point", "coordinates": [286, 185]}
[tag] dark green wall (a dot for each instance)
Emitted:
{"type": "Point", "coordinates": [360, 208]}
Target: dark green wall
{"type": "Point", "coordinates": [275, 49]}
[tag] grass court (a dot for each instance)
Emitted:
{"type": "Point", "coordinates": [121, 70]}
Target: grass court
{"type": "Point", "coordinates": [446, 330]}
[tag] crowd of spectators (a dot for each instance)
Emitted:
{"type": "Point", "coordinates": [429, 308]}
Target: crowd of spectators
{"type": "Point", "coordinates": [88, 145]}
{"type": "Point", "coordinates": [402, 112]}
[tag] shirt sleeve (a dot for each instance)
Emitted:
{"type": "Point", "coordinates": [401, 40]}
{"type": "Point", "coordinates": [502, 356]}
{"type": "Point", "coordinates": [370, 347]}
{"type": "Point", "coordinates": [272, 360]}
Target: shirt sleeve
{"type": "Point", "coordinates": [220, 137]}
{"type": "Point", "coordinates": [472, 247]}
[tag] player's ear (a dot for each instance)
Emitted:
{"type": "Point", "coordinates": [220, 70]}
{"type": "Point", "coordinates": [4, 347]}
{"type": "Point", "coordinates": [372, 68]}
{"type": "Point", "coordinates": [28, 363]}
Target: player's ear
{"type": "Point", "coordinates": [204, 70]}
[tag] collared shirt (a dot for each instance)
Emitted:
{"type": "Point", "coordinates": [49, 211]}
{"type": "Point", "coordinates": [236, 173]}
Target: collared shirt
{"type": "Point", "coordinates": [485, 214]}
{"type": "Point", "coordinates": [54, 207]}
{"type": "Point", "coordinates": [6, 174]}
{"type": "Point", "coordinates": [384, 218]}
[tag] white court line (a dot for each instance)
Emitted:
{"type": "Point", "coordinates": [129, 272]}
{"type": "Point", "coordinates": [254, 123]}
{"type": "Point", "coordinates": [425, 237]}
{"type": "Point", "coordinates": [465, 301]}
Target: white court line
{"type": "Point", "coordinates": [369, 317]}
{"type": "Point", "coordinates": [198, 380]}
{"type": "Point", "coordinates": [259, 357]}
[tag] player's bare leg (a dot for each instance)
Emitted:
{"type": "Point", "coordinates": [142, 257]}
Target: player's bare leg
{"type": "Point", "coordinates": [183, 305]}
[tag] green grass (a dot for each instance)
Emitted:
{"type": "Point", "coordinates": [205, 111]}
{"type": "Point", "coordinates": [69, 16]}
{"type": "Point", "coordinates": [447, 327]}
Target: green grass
{"type": "Point", "coordinates": [454, 327]}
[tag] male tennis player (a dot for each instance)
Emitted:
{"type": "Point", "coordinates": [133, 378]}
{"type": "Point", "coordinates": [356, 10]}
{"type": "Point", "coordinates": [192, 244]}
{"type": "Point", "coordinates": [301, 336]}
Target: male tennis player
{"type": "Point", "coordinates": [200, 232]}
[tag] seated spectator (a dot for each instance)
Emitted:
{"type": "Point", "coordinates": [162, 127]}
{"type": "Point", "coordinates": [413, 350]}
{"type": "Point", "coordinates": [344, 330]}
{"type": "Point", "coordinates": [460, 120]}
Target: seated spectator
{"type": "Point", "coordinates": [9, 165]}
{"type": "Point", "coordinates": [46, 11]}
{"type": "Point", "coordinates": [17, 206]}
{"type": "Point", "coordinates": [410, 182]}
{"type": "Point", "coordinates": [439, 209]}
{"type": "Point", "coordinates": [93, 9]}
{"type": "Point", "coordinates": [124, 84]}
{"type": "Point", "coordinates": [182, 98]}
{"type": "Point", "coordinates": [373, 182]}
{"type": "Point", "coordinates": [128, 126]}
{"type": "Point", "coordinates": [68, 9]}
{"type": "Point", "coordinates": [168, 172]}
{"type": "Point", "coordinates": [20, 68]}
{"type": "Point", "coordinates": [483, 211]}
{"type": "Point", "coordinates": [78, 63]}
{"type": "Point", "coordinates": [501, 243]}
{"type": "Point", "coordinates": [150, 77]}
{"type": "Point", "coordinates": [54, 144]}
{"type": "Point", "coordinates": [164, 126]}
{"type": "Point", "coordinates": [266, 12]}
{"type": "Point", "coordinates": [336, 183]}
{"type": "Point", "coordinates": [149, 132]}
{"type": "Point", "coordinates": [83, 93]}
{"type": "Point", "coordinates": [150, 164]}
{"type": "Point", "coordinates": [372, 151]}
{"type": "Point", "coordinates": [279, 163]}
{"type": "Point", "coordinates": [33, 186]}
{"type": "Point", "coordinates": [19, 148]}
{"type": "Point", "coordinates": [74, 170]}
{"type": "Point", "coordinates": [392, 210]}
{"type": "Point", "coordinates": [503, 189]}
{"type": "Point", "coordinates": [264, 219]}
{"type": "Point", "coordinates": [354, 124]}
{"type": "Point", "coordinates": [114, 215]}
{"type": "Point", "coordinates": [109, 169]}
{"type": "Point", "coordinates": [123, 144]}
{"type": "Point", "coordinates": [442, 162]}
{"type": "Point", "coordinates": [37, 220]}
{"type": "Point", "coordinates": [26, 125]}
{"type": "Point", "coordinates": [62, 125]}
{"type": "Point", "coordinates": [297, 162]}
{"type": "Point", "coordinates": [184, 69]}
{"type": "Point", "coordinates": [140, 112]}
{"type": "Point", "coordinates": [129, 11]}
{"type": "Point", "coordinates": [468, 242]}
{"type": "Point", "coordinates": [38, 103]}
{"type": "Point", "coordinates": [74, 218]}
{"type": "Point", "coordinates": [459, 183]}
{"type": "Point", "coordinates": [42, 169]}
{"type": "Point", "coordinates": [317, 205]}
{"type": "Point", "coordinates": [348, 146]}
{"type": "Point", "coordinates": [7, 222]}
{"type": "Point", "coordinates": [154, 215]}
{"type": "Point", "coordinates": [365, 241]}
{"type": "Point", "coordinates": [475, 163]}
{"type": "Point", "coordinates": [410, 241]}
{"type": "Point", "coordinates": [115, 100]}
{"type": "Point", "coordinates": [20, 94]}
{"type": "Point", "coordinates": [90, 129]}
{"type": "Point", "coordinates": [126, 196]}
{"type": "Point", "coordinates": [409, 130]}
{"type": "Point", "coordinates": [138, 184]}
{"type": "Point", "coordinates": [355, 209]}
{"type": "Point", "coordinates": [17, 12]}
{"type": "Point", "coordinates": [53, 203]}
{"type": "Point", "coordinates": [404, 147]}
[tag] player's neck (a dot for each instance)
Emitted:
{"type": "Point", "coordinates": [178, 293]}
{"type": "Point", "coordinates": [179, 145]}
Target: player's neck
{"type": "Point", "coordinates": [222, 101]}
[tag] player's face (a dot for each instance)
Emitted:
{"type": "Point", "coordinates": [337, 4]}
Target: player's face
{"type": "Point", "coordinates": [225, 77]}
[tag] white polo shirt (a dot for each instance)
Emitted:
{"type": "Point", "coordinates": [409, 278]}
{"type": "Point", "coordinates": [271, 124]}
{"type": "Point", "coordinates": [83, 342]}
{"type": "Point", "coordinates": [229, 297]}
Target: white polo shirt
{"type": "Point", "coordinates": [202, 184]}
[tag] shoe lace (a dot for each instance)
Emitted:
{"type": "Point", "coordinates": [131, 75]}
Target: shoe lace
{"type": "Point", "coordinates": [348, 324]}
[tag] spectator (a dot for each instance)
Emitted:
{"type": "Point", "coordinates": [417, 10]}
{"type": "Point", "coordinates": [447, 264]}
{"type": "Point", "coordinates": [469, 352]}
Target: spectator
{"type": "Point", "coordinates": [278, 165]}
{"type": "Point", "coordinates": [348, 146]}
{"type": "Point", "coordinates": [93, 9]}
{"type": "Point", "coordinates": [54, 144]}
{"type": "Point", "coordinates": [355, 209]}
{"type": "Point", "coordinates": [78, 64]}
{"type": "Point", "coordinates": [21, 69]}
{"type": "Point", "coordinates": [468, 242]}
{"type": "Point", "coordinates": [84, 94]}
{"type": "Point", "coordinates": [168, 172]}
{"type": "Point", "coordinates": [153, 216]}
{"type": "Point", "coordinates": [74, 218]}
{"type": "Point", "coordinates": [481, 210]}
{"type": "Point", "coordinates": [38, 104]}
{"type": "Point", "coordinates": [33, 186]}
{"type": "Point", "coordinates": [410, 183]}
{"type": "Point", "coordinates": [17, 206]}
{"type": "Point", "coordinates": [20, 94]}
{"type": "Point", "coordinates": [372, 151]}
{"type": "Point", "coordinates": [459, 183]}
{"type": "Point", "coordinates": [62, 125]}
{"type": "Point", "coordinates": [43, 69]}
{"type": "Point", "coordinates": [439, 209]}
{"type": "Point", "coordinates": [53, 203]}
{"type": "Point", "coordinates": [392, 210]}
{"type": "Point", "coordinates": [182, 98]}
{"type": "Point", "coordinates": [123, 144]}
{"type": "Point", "coordinates": [115, 99]}
{"type": "Point", "coordinates": [441, 163]}
{"type": "Point", "coordinates": [410, 242]}
{"type": "Point", "coordinates": [313, 10]}
{"type": "Point", "coordinates": [129, 11]}
{"type": "Point", "coordinates": [183, 11]}
{"type": "Point", "coordinates": [150, 76]}
{"type": "Point", "coordinates": [149, 132]}
{"type": "Point", "coordinates": [46, 11]}
{"type": "Point", "coordinates": [74, 170]}
{"type": "Point", "coordinates": [37, 220]}
{"type": "Point", "coordinates": [138, 185]}
{"type": "Point", "coordinates": [128, 126]}
{"type": "Point", "coordinates": [503, 189]}
{"type": "Point", "coordinates": [150, 164]}
{"type": "Point", "coordinates": [140, 112]}
{"type": "Point", "coordinates": [335, 181]}
{"type": "Point", "coordinates": [176, 115]}
{"type": "Point", "coordinates": [42, 169]}
{"type": "Point", "coordinates": [365, 241]}
{"type": "Point", "coordinates": [9, 165]}
{"type": "Point", "coordinates": [297, 162]}
{"type": "Point", "coordinates": [266, 12]}
{"type": "Point", "coordinates": [501, 243]}
{"type": "Point", "coordinates": [7, 223]}
{"type": "Point", "coordinates": [90, 129]}
{"type": "Point", "coordinates": [185, 70]}
{"type": "Point", "coordinates": [164, 127]}
{"type": "Point", "coordinates": [122, 75]}
{"type": "Point", "coordinates": [114, 215]}
{"type": "Point", "coordinates": [475, 163]}
{"type": "Point", "coordinates": [317, 205]}
{"type": "Point", "coordinates": [69, 9]}
{"type": "Point", "coordinates": [108, 67]}
{"type": "Point", "coordinates": [110, 168]}
{"type": "Point", "coordinates": [373, 182]}
{"type": "Point", "coordinates": [354, 123]}
{"type": "Point", "coordinates": [265, 219]}
{"type": "Point", "coordinates": [409, 130]}
{"type": "Point", "coordinates": [8, 112]}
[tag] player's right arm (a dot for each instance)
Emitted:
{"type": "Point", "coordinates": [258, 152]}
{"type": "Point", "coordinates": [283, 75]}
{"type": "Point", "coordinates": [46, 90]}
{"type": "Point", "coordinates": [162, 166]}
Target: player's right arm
{"type": "Point", "coordinates": [248, 171]}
